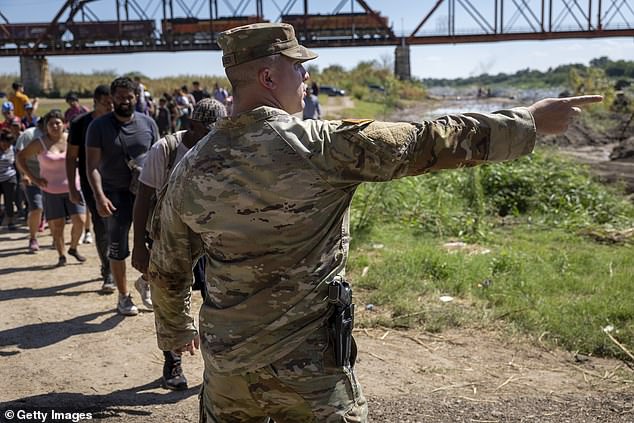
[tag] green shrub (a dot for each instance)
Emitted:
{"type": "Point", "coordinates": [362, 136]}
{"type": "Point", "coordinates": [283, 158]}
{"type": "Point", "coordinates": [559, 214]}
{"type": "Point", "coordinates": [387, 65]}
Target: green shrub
{"type": "Point", "coordinates": [543, 187]}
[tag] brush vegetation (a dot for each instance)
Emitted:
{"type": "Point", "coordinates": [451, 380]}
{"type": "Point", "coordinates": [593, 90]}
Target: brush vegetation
{"type": "Point", "coordinates": [83, 84]}
{"type": "Point", "coordinates": [529, 263]}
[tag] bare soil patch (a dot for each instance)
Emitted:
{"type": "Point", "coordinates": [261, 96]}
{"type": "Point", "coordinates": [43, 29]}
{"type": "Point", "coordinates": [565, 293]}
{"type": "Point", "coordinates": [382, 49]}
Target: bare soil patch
{"type": "Point", "coordinates": [610, 155]}
{"type": "Point", "coordinates": [63, 347]}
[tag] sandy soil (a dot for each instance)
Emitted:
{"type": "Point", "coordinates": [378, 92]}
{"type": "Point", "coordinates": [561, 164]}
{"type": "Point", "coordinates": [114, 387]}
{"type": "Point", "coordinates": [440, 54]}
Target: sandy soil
{"type": "Point", "coordinates": [63, 347]}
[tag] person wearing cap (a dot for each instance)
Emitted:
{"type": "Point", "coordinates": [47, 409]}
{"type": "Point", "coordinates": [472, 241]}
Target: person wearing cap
{"type": "Point", "coordinates": [20, 99]}
{"type": "Point", "coordinates": [8, 111]}
{"type": "Point", "coordinates": [29, 120]}
{"type": "Point", "coordinates": [161, 159]}
{"type": "Point", "coordinates": [266, 197]}
{"type": "Point", "coordinates": [74, 108]}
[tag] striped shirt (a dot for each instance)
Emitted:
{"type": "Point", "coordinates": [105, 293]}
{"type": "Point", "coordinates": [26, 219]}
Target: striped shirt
{"type": "Point", "coordinates": [7, 164]}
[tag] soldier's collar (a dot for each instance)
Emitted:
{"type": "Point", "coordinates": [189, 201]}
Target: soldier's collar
{"type": "Point", "coordinates": [258, 114]}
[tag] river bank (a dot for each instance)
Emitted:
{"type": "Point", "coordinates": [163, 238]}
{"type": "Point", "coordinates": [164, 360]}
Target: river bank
{"type": "Point", "coordinates": [609, 153]}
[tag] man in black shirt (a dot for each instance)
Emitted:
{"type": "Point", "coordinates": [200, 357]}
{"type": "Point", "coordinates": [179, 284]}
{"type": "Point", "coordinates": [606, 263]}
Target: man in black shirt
{"type": "Point", "coordinates": [76, 159]}
{"type": "Point", "coordinates": [163, 118]}
{"type": "Point", "coordinates": [198, 93]}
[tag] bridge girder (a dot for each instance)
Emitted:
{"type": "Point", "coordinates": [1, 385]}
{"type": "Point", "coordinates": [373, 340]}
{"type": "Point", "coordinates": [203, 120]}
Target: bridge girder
{"type": "Point", "coordinates": [504, 20]}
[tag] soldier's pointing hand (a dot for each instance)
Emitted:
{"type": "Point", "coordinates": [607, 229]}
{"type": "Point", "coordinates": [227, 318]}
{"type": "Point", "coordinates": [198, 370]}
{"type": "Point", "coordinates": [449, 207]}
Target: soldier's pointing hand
{"type": "Point", "coordinates": [190, 347]}
{"type": "Point", "coordinates": [553, 115]}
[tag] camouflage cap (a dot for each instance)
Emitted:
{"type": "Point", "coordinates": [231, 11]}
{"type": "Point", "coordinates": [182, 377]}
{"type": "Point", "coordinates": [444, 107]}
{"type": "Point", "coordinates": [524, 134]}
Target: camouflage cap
{"type": "Point", "coordinates": [249, 42]}
{"type": "Point", "coordinates": [208, 110]}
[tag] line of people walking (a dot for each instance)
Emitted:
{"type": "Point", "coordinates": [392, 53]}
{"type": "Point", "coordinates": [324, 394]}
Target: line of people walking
{"type": "Point", "coordinates": [49, 166]}
{"type": "Point", "coordinates": [90, 166]}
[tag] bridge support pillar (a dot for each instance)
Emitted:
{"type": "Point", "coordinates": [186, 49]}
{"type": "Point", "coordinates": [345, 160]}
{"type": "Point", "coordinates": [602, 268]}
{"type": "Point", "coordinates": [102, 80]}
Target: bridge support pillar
{"type": "Point", "coordinates": [401, 62]}
{"type": "Point", "coordinates": [35, 74]}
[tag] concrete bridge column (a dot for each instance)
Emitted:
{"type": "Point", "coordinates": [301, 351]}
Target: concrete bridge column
{"type": "Point", "coordinates": [35, 74]}
{"type": "Point", "coordinates": [401, 62]}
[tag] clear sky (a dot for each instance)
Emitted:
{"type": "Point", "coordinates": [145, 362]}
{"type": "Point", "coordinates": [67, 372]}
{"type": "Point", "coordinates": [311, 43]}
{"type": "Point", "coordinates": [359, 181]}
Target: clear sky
{"type": "Point", "coordinates": [431, 61]}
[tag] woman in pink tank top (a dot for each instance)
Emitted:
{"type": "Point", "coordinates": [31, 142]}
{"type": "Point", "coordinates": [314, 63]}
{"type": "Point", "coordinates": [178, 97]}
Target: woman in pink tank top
{"type": "Point", "coordinates": [51, 154]}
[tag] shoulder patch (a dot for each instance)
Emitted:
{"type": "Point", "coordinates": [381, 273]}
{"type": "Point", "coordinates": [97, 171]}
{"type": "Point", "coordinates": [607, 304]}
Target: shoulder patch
{"type": "Point", "coordinates": [356, 121]}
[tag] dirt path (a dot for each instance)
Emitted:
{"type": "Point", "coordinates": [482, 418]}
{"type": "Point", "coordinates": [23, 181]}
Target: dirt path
{"type": "Point", "coordinates": [334, 107]}
{"type": "Point", "coordinates": [63, 347]}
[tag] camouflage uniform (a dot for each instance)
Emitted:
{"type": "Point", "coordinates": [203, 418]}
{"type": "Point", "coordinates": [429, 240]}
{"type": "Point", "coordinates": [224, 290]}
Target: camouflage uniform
{"type": "Point", "coordinates": [265, 196]}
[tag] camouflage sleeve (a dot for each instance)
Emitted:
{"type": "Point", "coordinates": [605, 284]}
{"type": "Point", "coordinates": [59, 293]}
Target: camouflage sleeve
{"type": "Point", "coordinates": [471, 139]}
{"type": "Point", "coordinates": [172, 256]}
{"type": "Point", "coordinates": [353, 151]}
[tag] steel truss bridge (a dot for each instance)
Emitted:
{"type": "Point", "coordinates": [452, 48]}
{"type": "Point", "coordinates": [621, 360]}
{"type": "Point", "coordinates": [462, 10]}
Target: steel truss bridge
{"type": "Point", "coordinates": [186, 25]}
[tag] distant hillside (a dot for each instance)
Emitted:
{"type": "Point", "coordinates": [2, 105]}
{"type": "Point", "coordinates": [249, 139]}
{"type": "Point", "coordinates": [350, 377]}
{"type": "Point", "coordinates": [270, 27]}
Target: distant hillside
{"type": "Point", "coordinates": [527, 78]}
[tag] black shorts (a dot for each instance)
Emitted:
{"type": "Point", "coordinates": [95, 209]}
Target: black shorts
{"type": "Point", "coordinates": [34, 197]}
{"type": "Point", "coordinates": [58, 206]}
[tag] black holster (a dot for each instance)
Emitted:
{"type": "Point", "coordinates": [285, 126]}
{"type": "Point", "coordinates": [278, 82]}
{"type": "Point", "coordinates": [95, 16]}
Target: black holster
{"type": "Point", "coordinates": [341, 321]}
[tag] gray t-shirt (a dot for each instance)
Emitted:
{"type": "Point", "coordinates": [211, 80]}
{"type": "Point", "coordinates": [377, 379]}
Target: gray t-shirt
{"type": "Point", "coordinates": [155, 172]}
{"type": "Point", "coordinates": [26, 138]}
{"type": "Point", "coordinates": [107, 133]}
{"type": "Point", "coordinates": [7, 166]}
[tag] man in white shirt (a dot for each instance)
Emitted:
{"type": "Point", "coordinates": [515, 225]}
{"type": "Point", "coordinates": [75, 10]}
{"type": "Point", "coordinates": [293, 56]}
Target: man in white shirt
{"type": "Point", "coordinates": [161, 159]}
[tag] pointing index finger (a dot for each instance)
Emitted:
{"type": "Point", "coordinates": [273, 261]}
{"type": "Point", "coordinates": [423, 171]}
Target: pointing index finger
{"type": "Point", "coordinates": [584, 99]}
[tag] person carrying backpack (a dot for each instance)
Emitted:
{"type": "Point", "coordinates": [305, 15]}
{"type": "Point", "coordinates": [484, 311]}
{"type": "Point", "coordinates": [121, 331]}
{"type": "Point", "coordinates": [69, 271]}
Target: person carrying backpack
{"type": "Point", "coordinates": [160, 161]}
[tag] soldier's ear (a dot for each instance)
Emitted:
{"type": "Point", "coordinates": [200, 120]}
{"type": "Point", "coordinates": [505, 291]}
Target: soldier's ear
{"type": "Point", "coordinates": [265, 77]}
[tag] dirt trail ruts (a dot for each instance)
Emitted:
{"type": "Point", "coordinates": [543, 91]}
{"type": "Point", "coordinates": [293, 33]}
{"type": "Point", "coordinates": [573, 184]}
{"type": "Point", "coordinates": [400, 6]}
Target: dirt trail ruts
{"type": "Point", "coordinates": [63, 347]}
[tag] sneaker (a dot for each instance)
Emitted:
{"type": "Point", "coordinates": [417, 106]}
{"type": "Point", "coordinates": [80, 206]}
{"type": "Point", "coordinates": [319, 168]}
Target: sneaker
{"type": "Point", "coordinates": [108, 286]}
{"type": "Point", "coordinates": [73, 252]}
{"type": "Point", "coordinates": [125, 306]}
{"type": "Point", "coordinates": [173, 377]}
{"type": "Point", "coordinates": [87, 239]}
{"type": "Point", "coordinates": [143, 287]}
{"type": "Point", "coordinates": [33, 245]}
{"type": "Point", "coordinates": [40, 227]}
{"type": "Point", "coordinates": [61, 261]}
